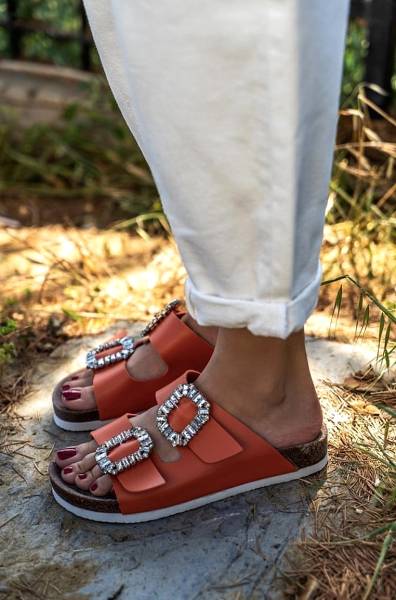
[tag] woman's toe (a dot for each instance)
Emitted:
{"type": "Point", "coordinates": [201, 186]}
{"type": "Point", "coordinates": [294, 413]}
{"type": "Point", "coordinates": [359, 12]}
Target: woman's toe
{"type": "Point", "coordinates": [85, 464]}
{"type": "Point", "coordinates": [79, 398]}
{"type": "Point", "coordinates": [85, 480]}
{"type": "Point", "coordinates": [69, 474]}
{"type": "Point", "coordinates": [82, 374]}
{"type": "Point", "coordinates": [101, 486]}
{"type": "Point", "coordinates": [72, 454]}
{"type": "Point", "coordinates": [75, 383]}
{"type": "Point", "coordinates": [78, 471]}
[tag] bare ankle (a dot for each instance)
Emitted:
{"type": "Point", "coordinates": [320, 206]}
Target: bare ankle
{"type": "Point", "coordinates": [207, 333]}
{"type": "Point", "coordinates": [266, 383]}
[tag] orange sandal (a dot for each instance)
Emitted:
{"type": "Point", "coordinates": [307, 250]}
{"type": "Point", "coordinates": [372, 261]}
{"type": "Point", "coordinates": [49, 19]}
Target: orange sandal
{"type": "Point", "coordinates": [116, 391]}
{"type": "Point", "coordinates": [219, 457]}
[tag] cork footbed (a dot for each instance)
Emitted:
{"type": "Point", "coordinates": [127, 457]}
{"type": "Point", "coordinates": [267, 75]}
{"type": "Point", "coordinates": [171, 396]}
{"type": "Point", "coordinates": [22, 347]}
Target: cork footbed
{"type": "Point", "coordinates": [64, 413]}
{"type": "Point", "coordinates": [307, 454]}
{"type": "Point", "coordinates": [302, 456]}
{"type": "Point", "coordinates": [80, 498]}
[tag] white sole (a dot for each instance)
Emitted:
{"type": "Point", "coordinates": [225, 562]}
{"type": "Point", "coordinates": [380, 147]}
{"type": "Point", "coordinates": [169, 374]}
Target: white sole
{"type": "Point", "coordinates": [152, 515]}
{"type": "Point", "coordinates": [79, 425]}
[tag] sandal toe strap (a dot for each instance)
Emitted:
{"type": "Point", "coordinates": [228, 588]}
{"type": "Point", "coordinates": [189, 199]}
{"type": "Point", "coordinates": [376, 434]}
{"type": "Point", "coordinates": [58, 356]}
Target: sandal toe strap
{"type": "Point", "coordinates": [136, 475]}
{"type": "Point", "coordinates": [178, 345]}
{"type": "Point", "coordinates": [185, 418]}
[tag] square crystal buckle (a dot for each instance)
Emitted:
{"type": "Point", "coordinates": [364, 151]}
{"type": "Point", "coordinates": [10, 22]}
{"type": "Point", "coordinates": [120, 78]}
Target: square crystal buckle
{"type": "Point", "coordinates": [128, 349]}
{"type": "Point", "coordinates": [186, 390]}
{"type": "Point", "coordinates": [109, 467]}
{"type": "Point", "coordinates": [159, 316]}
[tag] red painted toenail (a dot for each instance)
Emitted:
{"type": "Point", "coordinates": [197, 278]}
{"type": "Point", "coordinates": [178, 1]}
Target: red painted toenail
{"type": "Point", "coordinates": [66, 453]}
{"type": "Point", "coordinates": [71, 394]}
{"type": "Point", "coordinates": [65, 387]}
{"type": "Point", "coordinates": [67, 470]}
{"type": "Point", "coordinates": [94, 487]}
{"type": "Point", "coordinates": [83, 476]}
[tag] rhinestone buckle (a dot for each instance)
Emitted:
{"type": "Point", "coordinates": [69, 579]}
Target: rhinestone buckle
{"type": "Point", "coordinates": [158, 317]}
{"type": "Point", "coordinates": [109, 467]}
{"type": "Point", "coordinates": [98, 363]}
{"type": "Point", "coordinates": [203, 409]}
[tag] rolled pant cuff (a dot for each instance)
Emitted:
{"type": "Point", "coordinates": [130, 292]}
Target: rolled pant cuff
{"type": "Point", "coordinates": [267, 317]}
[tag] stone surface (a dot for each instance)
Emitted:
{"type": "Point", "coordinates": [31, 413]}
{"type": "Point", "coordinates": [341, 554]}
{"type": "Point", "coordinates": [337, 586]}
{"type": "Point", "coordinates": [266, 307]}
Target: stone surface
{"type": "Point", "coordinates": [231, 549]}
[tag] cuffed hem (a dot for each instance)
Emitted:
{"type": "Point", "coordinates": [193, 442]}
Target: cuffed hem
{"type": "Point", "coordinates": [273, 318]}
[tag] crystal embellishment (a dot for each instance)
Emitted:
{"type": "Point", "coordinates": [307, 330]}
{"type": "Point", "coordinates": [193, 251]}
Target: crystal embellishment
{"type": "Point", "coordinates": [108, 467]}
{"type": "Point", "coordinates": [182, 438]}
{"type": "Point", "coordinates": [159, 316]}
{"type": "Point", "coordinates": [127, 349]}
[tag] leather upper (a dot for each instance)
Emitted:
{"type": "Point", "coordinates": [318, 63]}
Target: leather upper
{"type": "Point", "coordinates": [223, 454]}
{"type": "Point", "coordinates": [178, 345]}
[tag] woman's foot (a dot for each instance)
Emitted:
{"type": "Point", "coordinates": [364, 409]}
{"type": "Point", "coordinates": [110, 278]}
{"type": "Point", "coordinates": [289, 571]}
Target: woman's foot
{"type": "Point", "coordinates": [144, 364]}
{"type": "Point", "coordinates": [78, 463]}
{"type": "Point", "coordinates": [264, 382]}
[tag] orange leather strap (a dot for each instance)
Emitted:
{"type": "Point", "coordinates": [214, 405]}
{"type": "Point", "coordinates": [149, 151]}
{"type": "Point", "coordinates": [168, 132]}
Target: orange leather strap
{"type": "Point", "coordinates": [118, 334]}
{"type": "Point", "coordinates": [173, 340]}
{"type": "Point", "coordinates": [213, 443]}
{"type": "Point", "coordinates": [116, 391]}
{"type": "Point", "coordinates": [108, 431]}
{"type": "Point", "coordinates": [144, 475]}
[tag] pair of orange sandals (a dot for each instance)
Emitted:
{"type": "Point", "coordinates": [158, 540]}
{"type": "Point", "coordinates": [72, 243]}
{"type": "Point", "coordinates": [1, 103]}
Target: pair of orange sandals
{"type": "Point", "coordinates": [219, 456]}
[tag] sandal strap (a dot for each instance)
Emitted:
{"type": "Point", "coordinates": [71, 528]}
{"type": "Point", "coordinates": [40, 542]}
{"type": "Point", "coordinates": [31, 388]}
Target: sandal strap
{"type": "Point", "coordinates": [211, 442]}
{"type": "Point", "coordinates": [179, 346]}
{"type": "Point", "coordinates": [171, 306]}
{"type": "Point", "coordinates": [120, 347]}
{"type": "Point", "coordinates": [144, 475]}
{"type": "Point", "coordinates": [175, 341]}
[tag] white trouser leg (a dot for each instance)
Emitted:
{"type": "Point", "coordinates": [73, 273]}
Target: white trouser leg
{"type": "Point", "coordinates": [234, 104]}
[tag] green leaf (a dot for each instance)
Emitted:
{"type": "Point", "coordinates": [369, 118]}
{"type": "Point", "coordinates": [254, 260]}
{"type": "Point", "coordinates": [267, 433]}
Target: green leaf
{"type": "Point", "coordinates": [386, 545]}
{"type": "Point", "coordinates": [365, 321]}
{"type": "Point", "coordinates": [386, 356]}
{"type": "Point", "coordinates": [388, 409]}
{"type": "Point", "coordinates": [358, 312]}
{"type": "Point", "coordinates": [381, 328]}
{"type": "Point", "coordinates": [387, 336]}
{"type": "Point", "coordinates": [336, 307]}
{"type": "Point", "coordinates": [71, 314]}
{"type": "Point", "coordinates": [9, 326]}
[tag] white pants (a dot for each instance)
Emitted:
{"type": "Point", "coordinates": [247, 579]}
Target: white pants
{"type": "Point", "coordinates": [234, 105]}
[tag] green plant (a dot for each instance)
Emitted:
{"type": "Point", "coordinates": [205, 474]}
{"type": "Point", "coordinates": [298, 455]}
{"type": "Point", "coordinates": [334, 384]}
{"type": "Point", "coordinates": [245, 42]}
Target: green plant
{"type": "Point", "coordinates": [7, 349]}
{"type": "Point", "coordinates": [37, 46]}
{"type": "Point", "coordinates": [355, 54]}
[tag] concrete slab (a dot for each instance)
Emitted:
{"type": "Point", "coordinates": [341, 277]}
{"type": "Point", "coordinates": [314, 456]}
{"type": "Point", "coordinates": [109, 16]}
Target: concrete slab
{"type": "Point", "coordinates": [232, 549]}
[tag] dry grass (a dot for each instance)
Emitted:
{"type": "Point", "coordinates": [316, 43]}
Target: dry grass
{"type": "Point", "coordinates": [58, 283]}
{"type": "Point", "coordinates": [360, 235]}
{"type": "Point", "coordinates": [337, 559]}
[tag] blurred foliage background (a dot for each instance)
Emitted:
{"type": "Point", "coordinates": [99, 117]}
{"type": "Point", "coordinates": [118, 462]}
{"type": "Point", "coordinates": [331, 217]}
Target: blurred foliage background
{"type": "Point", "coordinates": [65, 16]}
{"type": "Point", "coordinates": [38, 46]}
